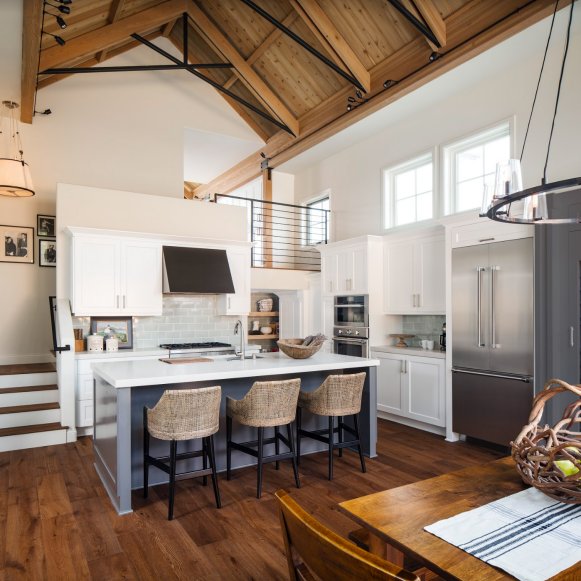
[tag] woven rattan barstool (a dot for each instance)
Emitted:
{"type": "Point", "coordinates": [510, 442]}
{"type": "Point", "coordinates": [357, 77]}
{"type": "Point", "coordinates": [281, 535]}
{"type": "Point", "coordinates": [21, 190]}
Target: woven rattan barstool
{"type": "Point", "coordinates": [267, 404]}
{"type": "Point", "coordinates": [183, 414]}
{"type": "Point", "coordinates": [337, 396]}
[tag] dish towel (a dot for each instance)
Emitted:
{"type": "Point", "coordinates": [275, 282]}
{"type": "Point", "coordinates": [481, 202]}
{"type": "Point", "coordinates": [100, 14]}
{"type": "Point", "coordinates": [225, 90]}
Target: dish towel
{"type": "Point", "coordinates": [527, 534]}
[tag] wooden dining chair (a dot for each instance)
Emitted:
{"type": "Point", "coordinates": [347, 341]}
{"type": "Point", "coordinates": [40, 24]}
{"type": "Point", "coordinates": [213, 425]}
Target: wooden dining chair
{"type": "Point", "coordinates": [315, 552]}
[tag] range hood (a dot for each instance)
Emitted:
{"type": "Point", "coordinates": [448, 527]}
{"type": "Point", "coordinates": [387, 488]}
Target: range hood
{"type": "Point", "coordinates": [196, 271]}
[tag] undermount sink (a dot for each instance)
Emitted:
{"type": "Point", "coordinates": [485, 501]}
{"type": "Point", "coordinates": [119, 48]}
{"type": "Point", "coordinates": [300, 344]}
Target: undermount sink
{"type": "Point", "coordinates": [245, 357]}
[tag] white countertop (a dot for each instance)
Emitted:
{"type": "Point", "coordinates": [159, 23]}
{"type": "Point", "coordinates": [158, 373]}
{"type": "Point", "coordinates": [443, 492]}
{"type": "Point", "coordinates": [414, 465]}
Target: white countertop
{"type": "Point", "coordinates": [153, 372]}
{"type": "Point", "coordinates": [152, 352]}
{"type": "Point", "coordinates": [436, 353]}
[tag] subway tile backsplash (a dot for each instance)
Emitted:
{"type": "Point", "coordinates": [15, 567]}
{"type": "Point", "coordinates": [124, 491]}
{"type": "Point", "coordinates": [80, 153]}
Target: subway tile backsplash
{"type": "Point", "coordinates": [423, 327]}
{"type": "Point", "coordinates": [184, 319]}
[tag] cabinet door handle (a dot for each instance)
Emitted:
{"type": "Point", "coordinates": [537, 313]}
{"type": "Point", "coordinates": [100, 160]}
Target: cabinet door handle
{"type": "Point", "coordinates": [419, 300]}
{"type": "Point", "coordinates": [330, 286]}
{"type": "Point", "coordinates": [123, 301]}
{"type": "Point", "coordinates": [401, 366]}
{"type": "Point", "coordinates": [117, 301]}
{"type": "Point", "coordinates": [572, 336]}
{"type": "Point", "coordinates": [229, 302]}
{"type": "Point", "coordinates": [414, 300]}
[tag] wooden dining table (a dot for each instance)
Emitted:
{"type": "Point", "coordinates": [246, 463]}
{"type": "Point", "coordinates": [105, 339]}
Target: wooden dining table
{"type": "Point", "coordinates": [395, 519]}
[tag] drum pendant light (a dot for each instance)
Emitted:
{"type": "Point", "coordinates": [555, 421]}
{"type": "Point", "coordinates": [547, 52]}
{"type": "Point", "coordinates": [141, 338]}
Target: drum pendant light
{"type": "Point", "coordinates": [15, 180]}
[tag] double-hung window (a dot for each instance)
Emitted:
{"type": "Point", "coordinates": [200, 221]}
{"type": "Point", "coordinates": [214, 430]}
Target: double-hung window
{"type": "Point", "coordinates": [470, 165]}
{"type": "Point", "coordinates": [408, 192]}
{"type": "Point", "coordinates": [318, 221]}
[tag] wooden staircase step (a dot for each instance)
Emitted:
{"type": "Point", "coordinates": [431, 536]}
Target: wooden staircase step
{"type": "Point", "coordinates": [20, 430]}
{"type": "Point", "coordinates": [20, 368]}
{"type": "Point", "coordinates": [36, 407]}
{"type": "Point", "coordinates": [29, 388]}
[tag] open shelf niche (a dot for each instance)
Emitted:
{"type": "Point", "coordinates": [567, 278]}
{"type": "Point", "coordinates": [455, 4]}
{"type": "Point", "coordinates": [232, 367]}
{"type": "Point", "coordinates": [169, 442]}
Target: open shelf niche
{"type": "Point", "coordinates": [267, 341]}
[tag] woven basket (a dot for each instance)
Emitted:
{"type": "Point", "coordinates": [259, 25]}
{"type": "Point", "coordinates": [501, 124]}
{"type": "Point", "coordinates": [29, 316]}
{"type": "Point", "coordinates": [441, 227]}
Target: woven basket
{"type": "Point", "coordinates": [294, 348]}
{"type": "Point", "coordinates": [541, 453]}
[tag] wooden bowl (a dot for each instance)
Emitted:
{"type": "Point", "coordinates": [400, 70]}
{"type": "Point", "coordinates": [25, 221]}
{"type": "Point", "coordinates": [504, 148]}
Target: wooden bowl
{"type": "Point", "coordinates": [294, 348]}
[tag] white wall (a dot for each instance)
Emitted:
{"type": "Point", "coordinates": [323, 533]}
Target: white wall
{"type": "Point", "coordinates": [121, 131]}
{"type": "Point", "coordinates": [479, 93]}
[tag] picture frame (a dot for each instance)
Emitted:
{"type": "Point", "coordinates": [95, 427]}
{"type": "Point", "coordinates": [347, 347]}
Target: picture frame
{"type": "Point", "coordinates": [17, 244]}
{"type": "Point", "coordinates": [120, 327]}
{"type": "Point", "coordinates": [47, 252]}
{"type": "Point", "coordinates": [45, 226]}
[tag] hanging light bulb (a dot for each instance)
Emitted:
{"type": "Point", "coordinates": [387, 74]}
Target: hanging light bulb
{"type": "Point", "coordinates": [15, 180]}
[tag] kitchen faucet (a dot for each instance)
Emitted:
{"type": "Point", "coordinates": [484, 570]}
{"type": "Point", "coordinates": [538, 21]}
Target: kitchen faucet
{"type": "Point", "coordinates": [239, 328]}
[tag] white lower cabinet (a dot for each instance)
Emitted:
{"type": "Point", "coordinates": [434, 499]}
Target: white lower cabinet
{"type": "Point", "coordinates": [411, 387]}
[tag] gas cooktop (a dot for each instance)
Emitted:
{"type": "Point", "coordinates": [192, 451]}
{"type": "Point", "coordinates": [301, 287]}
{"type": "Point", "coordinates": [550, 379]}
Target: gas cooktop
{"type": "Point", "coordinates": [206, 345]}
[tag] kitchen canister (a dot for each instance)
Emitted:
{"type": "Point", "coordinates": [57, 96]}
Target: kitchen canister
{"type": "Point", "coordinates": [112, 343]}
{"type": "Point", "coordinates": [94, 343]}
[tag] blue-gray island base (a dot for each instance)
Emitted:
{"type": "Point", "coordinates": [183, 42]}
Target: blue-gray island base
{"type": "Point", "coordinates": [123, 388]}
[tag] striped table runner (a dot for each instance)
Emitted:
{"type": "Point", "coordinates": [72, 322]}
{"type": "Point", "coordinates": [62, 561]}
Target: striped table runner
{"type": "Point", "coordinates": [528, 534]}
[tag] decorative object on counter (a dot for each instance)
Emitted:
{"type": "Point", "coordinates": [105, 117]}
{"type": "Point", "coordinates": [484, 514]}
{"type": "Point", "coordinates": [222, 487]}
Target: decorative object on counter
{"type": "Point", "coordinates": [427, 344]}
{"type": "Point", "coordinates": [112, 343]}
{"type": "Point", "coordinates": [301, 348]}
{"type": "Point", "coordinates": [79, 341]}
{"type": "Point", "coordinates": [18, 244]}
{"type": "Point", "coordinates": [266, 330]}
{"type": "Point", "coordinates": [264, 305]}
{"type": "Point", "coordinates": [95, 343]}
{"type": "Point", "coordinates": [443, 338]}
{"type": "Point", "coordinates": [255, 328]}
{"type": "Point", "coordinates": [401, 339]}
{"type": "Point", "coordinates": [45, 226]}
{"type": "Point", "coordinates": [549, 458]}
{"type": "Point", "coordinates": [120, 327]}
{"type": "Point", "coordinates": [47, 253]}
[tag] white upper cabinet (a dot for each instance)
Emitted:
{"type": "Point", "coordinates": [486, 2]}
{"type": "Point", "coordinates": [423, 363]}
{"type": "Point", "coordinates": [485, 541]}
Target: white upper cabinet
{"type": "Point", "coordinates": [415, 276]}
{"type": "Point", "coordinates": [237, 303]}
{"type": "Point", "coordinates": [115, 276]}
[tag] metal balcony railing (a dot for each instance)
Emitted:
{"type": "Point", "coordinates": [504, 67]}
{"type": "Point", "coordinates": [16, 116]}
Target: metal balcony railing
{"type": "Point", "coordinates": [283, 235]}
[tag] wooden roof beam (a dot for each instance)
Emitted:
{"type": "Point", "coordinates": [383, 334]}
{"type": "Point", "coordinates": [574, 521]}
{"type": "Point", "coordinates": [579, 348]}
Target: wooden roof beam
{"type": "Point", "coordinates": [31, 32]}
{"type": "Point", "coordinates": [432, 18]}
{"type": "Point", "coordinates": [103, 38]}
{"type": "Point", "coordinates": [247, 74]}
{"type": "Point", "coordinates": [311, 11]}
{"type": "Point", "coordinates": [114, 14]}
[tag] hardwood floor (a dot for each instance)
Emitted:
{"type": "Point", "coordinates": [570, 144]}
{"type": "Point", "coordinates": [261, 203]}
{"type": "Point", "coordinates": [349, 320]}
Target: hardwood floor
{"type": "Point", "coordinates": [58, 523]}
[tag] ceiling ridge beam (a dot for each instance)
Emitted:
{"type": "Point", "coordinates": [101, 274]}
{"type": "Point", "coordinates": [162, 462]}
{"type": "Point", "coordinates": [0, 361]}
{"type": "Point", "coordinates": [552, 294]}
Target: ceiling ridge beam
{"type": "Point", "coordinates": [248, 75]}
{"type": "Point", "coordinates": [312, 11]}
{"type": "Point", "coordinates": [103, 38]}
{"type": "Point", "coordinates": [31, 37]}
{"type": "Point", "coordinates": [263, 47]}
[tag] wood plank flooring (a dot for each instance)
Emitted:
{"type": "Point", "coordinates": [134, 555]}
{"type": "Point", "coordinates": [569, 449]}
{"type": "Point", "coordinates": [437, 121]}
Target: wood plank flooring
{"type": "Point", "coordinates": [56, 521]}
{"type": "Point", "coordinates": [19, 368]}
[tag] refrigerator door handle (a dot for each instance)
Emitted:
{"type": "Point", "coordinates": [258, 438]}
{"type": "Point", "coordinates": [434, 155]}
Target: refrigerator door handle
{"type": "Point", "coordinates": [479, 272]}
{"type": "Point", "coordinates": [493, 343]}
{"type": "Point", "coordinates": [523, 378]}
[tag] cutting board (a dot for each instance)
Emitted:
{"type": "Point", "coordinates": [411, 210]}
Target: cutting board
{"type": "Point", "coordinates": [184, 360]}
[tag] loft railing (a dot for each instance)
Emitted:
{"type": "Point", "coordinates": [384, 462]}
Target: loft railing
{"type": "Point", "coordinates": [283, 235]}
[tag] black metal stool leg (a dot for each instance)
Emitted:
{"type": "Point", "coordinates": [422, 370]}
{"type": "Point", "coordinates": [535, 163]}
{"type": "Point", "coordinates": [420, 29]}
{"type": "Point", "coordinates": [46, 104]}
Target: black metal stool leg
{"type": "Point", "coordinates": [228, 447]}
{"type": "Point", "coordinates": [361, 458]}
{"type": "Point", "coordinates": [289, 432]}
{"type": "Point", "coordinates": [259, 467]}
{"type": "Point", "coordinates": [172, 476]}
{"type": "Point", "coordinates": [145, 455]}
{"type": "Point", "coordinates": [204, 460]}
{"type": "Point", "coordinates": [331, 447]}
{"type": "Point", "coordinates": [299, 427]}
{"type": "Point", "coordinates": [340, 427]}
{"type": "Point", "coordinates": [210, 441]}
{"type": "Point", "coordinates": [276, 446]}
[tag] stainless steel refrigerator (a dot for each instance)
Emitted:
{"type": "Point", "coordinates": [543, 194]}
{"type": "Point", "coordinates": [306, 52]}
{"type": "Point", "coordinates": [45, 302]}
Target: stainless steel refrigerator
{"type": "Point", "coordinates": [492, 339]}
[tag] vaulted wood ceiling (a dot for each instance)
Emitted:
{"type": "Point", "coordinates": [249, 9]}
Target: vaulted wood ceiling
{"type": "Point", "coordinates": [295, 96]}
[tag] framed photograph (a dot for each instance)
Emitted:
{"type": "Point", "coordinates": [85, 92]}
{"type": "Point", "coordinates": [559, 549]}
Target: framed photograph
{"type": "Point", "coordinates": [46, 252]}
{"type": "Point", "coordinates": [45, 226]}
{"type": "Point", "coordinates": [120, 327]}
{"type": "Point", "coordinates": [17, 244]}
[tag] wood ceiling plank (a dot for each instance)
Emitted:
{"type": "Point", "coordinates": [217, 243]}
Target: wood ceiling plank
{"type": "Point", "coordinates": [107, 36]}
{"type": "Point", "coordinates": [335, 40]}
{"type": "Point", "coordinates": [464, 42]}
{"type": "Point", "coordinates": [262, 48]}
{"type": "Point", "coordinates": [248, 75]}
{"type": "Point", "coordinates": [114, 15]}
{"type": "Point", "coordinates": [32, 19]}
{"type": "Point", "coordinates": [432, 18]}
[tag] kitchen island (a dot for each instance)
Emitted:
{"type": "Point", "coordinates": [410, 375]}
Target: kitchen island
{"type": "Point", "coordinates": [123, 388]}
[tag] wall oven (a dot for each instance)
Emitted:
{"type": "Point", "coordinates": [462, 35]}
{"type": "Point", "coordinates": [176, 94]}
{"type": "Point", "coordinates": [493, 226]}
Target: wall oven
{"type": "Point", "coordinates": [352, 341]}
{"type": "Point", "coordinates": [351, 311]}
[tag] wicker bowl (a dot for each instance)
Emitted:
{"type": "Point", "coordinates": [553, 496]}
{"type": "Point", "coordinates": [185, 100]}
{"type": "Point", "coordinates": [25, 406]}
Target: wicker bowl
{"type": "Point", "coordinates": [549, 458]}
{"type": "Point", "coordinates": [294, 348]}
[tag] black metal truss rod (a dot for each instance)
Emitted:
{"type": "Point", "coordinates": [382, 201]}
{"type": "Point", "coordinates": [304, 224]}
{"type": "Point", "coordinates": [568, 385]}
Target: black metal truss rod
{"type": "Point", "coordinates": [416, 23]}
{"type": "Point", "coordinates": [304, 44]}
{"type": "Point", "coordinates": [124, 69]}
{"type": "Point", "coordinates": [214, 84]}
